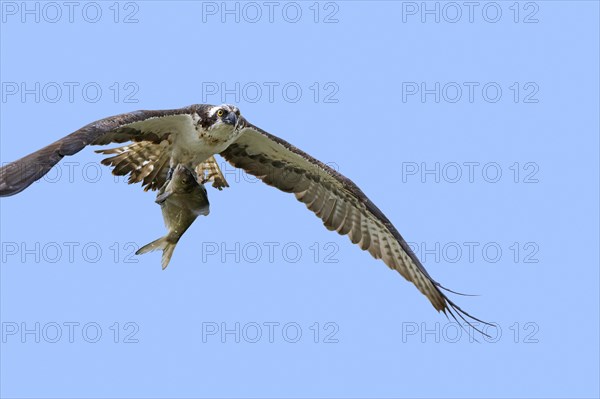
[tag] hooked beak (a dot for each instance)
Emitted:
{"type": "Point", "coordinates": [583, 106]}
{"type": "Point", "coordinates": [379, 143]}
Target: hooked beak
{"type": "Point", "coordinates": [230, 119]}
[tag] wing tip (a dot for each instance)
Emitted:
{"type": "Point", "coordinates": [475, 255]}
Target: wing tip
{"type": "Point", "coordinates": [452, 309]}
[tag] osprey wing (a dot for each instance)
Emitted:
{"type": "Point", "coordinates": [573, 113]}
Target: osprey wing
{"type": "Point", "coordinates": [151, 126]}
{"type": "Point", "coordinates": [338, 202]}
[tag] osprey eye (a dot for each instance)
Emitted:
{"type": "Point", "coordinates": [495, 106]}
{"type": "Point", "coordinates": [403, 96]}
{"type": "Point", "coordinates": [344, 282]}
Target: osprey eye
{"type": "Point", "coordinates": [220, 113]}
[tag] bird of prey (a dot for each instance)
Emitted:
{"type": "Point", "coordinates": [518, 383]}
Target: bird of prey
{"type": "Point", "coordinates": [163, 139]}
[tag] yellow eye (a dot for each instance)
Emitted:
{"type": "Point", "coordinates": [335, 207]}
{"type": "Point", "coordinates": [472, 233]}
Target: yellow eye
{"type": "Point", "coordinates": [220, 113]}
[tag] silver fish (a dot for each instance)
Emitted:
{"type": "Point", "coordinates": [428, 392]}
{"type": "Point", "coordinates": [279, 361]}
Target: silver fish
{"type": "Point", "coordinates": [182, 199]}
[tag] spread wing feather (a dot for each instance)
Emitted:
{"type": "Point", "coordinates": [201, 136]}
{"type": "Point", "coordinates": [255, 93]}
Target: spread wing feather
{"type": "Point", "coordinates": [336, 200]}
{"type": "Point", "coordinates": [150, 126]}
{"type": "Point", "coordinates": [339, 203]}
{"type": "Point", "coordinates": [143, 161]}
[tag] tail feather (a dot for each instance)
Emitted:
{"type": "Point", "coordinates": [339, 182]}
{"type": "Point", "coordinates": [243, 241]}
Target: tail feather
{"type": "Point", "coordinates": [144, 161]}
{"type": "Point", "coordinates": [161, 244]}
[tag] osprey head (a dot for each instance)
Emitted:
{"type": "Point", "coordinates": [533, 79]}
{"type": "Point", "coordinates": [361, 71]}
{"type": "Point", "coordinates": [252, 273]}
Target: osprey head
{"type": "Point", "coordinates": [223, 121]}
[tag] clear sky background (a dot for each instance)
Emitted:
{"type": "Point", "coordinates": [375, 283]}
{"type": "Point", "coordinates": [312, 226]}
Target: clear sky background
{"type": "Point", "coordinates": [473, 127]}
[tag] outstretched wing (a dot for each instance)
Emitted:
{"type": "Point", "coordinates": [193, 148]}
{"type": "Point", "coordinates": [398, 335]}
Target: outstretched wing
{"type": "Point", "coordinates": [145, 161]}
{"type": "Point", "coordinates": [148, 163]}
{"type": "Point", "coordinates": [340, 204]}
{"type": "Point", "coordinates": [151, 126]}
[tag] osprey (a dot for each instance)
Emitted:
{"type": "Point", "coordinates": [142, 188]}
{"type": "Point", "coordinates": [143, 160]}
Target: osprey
{"type": "Point", "coordinates": [163, 139]}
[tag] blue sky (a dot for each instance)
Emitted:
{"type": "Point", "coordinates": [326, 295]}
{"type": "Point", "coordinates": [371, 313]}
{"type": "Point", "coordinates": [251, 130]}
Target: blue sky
{"type": "Point", "coordinates": [473, 127]}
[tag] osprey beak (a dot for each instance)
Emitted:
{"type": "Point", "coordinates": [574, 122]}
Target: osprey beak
{"type": "Point", "coordinates": [231, 119]}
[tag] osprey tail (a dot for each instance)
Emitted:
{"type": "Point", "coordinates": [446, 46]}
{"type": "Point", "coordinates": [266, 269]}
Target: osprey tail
{"type": "Point", "coordinates": [163, 244]}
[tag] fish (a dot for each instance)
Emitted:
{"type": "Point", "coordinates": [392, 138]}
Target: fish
{"type": "Point", "coordinates": [182, 199]}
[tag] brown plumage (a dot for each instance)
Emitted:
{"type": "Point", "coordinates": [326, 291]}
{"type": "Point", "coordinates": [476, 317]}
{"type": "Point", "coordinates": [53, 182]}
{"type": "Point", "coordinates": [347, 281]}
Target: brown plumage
{"type": "Point", "coordinates": [209, 171]}
{"type": "Point", "coordinates": [335, 199]}
{"type": "Point", "coordinates": [339, 203]}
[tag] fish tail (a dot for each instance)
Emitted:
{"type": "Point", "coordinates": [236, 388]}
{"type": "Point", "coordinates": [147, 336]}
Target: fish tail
{"type": "Point", "coordinates": [161, 244]}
